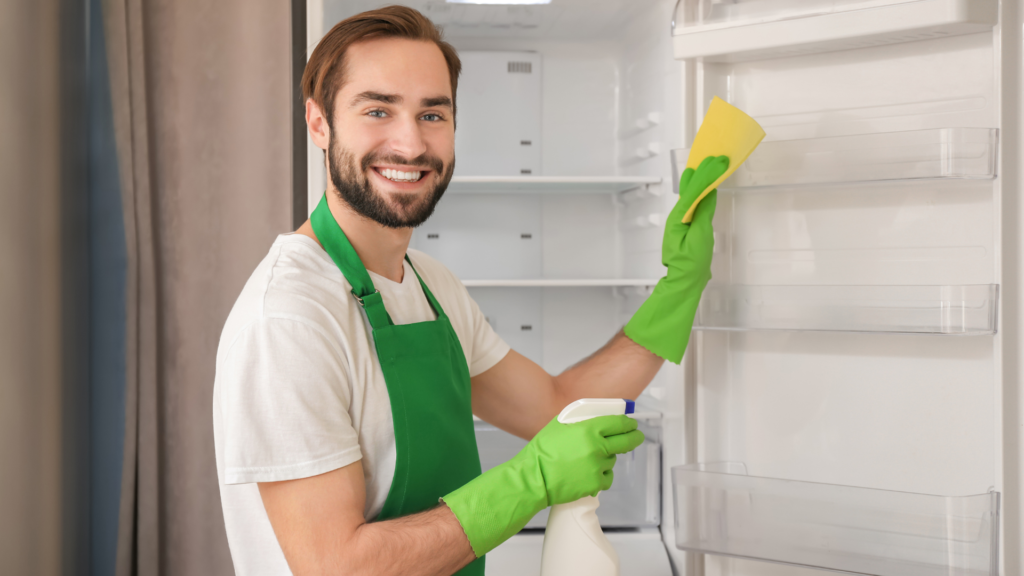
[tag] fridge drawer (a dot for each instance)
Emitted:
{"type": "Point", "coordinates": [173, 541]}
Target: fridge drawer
{"type": "Point", "coordinates": [721, 510]}
{"type": "Point", "coordinates": [634, 499]}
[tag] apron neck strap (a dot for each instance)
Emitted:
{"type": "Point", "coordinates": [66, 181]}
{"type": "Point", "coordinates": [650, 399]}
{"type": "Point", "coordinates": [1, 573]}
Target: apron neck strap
{"type": "Point", "coordinates": [334, 241]}
{"type": "Point", "coordinates": [430, 295]}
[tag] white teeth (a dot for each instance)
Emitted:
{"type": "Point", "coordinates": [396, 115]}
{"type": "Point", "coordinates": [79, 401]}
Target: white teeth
{"type": "Point", "coordinates": [399, 176]}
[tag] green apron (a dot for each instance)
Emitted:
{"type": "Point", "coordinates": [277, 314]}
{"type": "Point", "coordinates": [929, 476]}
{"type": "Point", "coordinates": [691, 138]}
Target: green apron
{"type": "Point", "coordinates": [428, 383]}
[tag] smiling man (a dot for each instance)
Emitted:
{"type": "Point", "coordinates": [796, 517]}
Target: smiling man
{"type": "Point", "coordinates": [350, 367]}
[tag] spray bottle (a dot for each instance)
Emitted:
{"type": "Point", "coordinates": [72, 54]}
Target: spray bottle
{"type": "Point", "coordinates": [573, 540]}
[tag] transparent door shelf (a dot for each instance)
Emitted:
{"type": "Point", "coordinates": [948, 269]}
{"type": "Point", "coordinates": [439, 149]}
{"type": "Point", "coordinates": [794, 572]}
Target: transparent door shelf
{"type": "Point", "coordinates": [960, 310]}
{"type": "Point", "coordinates": [739, 30]}
{"type": "Point", "coordinates": [915, 154]}
{"type": "Point", "coordinates": [548, 184]}
{"type": "Point", "coordinates": [940, 153]}
{"type": "Point", "coordinates": [721, 510]}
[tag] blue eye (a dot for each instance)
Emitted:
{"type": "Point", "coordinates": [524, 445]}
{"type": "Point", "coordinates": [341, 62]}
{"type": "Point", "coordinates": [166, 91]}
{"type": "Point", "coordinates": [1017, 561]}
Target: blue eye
{"type": "Point", "coordinates": [432, 117]}
{"type": "Point", "coordinates": [377, 113]}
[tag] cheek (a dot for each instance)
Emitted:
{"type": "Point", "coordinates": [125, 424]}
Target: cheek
{"type": "Point", "coordinates": [358, 137]}
{"type": "Point", "coordinates": [442, 144]}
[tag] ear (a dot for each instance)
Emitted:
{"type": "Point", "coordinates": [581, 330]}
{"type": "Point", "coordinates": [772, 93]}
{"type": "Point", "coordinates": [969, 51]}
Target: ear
{"type": "Point", "coordinates": [316, 123]}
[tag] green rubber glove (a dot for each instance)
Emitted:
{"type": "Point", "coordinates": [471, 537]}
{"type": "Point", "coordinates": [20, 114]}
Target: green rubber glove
{"type": "Point", "coordinates": [563, 463]}
{"type": "Point", "coordinates": [664, 320]}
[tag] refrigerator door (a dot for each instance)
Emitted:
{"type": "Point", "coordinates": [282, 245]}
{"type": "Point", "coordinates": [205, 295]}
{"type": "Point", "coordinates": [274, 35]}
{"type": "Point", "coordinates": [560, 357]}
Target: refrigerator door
{"type": "Point", "coordinates": [849, 349]}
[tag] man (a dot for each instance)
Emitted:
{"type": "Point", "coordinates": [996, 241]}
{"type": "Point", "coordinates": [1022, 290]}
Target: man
{"type": "Point", "coordinates": [350, 367]}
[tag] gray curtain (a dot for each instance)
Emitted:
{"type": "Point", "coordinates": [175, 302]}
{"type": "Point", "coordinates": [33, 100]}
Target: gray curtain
{"type": "Point", "coordinates": [44, 387]}
{"type": "Point", "coordinates": [201, 94]}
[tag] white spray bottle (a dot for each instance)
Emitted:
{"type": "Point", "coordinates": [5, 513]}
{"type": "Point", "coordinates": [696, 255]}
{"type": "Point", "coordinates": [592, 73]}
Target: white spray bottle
{"type": "Point", "coordinates": [573, 540]}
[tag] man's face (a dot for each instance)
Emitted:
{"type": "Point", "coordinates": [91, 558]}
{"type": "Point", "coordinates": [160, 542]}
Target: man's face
{"type": "Point", "coordinates": [392, 149]}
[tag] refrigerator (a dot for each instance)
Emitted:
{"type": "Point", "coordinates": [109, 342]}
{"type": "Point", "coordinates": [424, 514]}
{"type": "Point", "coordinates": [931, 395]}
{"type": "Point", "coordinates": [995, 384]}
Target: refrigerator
{"type": "Point", "coordinates": [849, 400]}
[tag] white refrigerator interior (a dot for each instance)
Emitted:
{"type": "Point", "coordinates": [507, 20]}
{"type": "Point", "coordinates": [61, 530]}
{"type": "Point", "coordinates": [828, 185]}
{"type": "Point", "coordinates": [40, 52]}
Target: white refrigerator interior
{"type": "Point", "coordinates": [843, 403]}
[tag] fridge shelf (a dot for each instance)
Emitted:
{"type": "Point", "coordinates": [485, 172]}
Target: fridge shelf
{"type": "Point", "coordinates": [950, 310]}
{"type": "Point", "coordinates": [558, 283]}
{"type": "Point", "coordinates": [548, 184]}
{"type": "Point", "coordinates": [743, 30]}
{"type": "Point", "coordinates": [719, 509]}
{"type": "Point", "coordinates": [937, 154]}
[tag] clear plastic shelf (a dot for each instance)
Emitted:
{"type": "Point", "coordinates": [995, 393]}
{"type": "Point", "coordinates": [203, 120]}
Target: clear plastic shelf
{"type": "Point", "coordinates": [940, 153]}
{"type": "Point", "coordinates": [721, 510]}
{"type": "Point", "coordinates": [956, 310]}
{"type": "Point", "coordinates": [741, 30]}
{"type": "Point", "coordinates": [915, 154]}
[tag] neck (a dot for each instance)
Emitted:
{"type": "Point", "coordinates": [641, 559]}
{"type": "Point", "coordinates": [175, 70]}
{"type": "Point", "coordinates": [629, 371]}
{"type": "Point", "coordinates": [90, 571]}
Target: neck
{"type": "Point", "coordinates": [380, 248]}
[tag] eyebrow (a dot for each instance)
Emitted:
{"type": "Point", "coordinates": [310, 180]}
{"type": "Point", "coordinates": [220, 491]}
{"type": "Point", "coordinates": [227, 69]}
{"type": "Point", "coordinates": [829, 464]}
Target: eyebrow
{"type": "Point", "coordinates": [436, 101]}
{"type": "Point", "coordinates": [376, 97]}
{"type": "Point", "coordinates": [370, 96]}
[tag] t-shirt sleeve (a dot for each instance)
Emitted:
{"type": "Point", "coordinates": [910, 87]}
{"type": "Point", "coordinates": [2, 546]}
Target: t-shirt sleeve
{"type": "Point", "coordinates": [285, 398]}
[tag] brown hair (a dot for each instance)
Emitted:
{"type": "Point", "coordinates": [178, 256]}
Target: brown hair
{"type": "Point", "coordinates": [323, 76]}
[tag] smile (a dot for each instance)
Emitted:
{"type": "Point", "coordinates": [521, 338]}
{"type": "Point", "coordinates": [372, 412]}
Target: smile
{"type": "Point", "coordinates": [399, 175]}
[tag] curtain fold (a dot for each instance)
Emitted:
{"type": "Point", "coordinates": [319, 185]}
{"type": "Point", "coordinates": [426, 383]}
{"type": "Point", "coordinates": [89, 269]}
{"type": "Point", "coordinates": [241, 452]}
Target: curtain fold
{"type": "Point", "coordinates": [202, 118]}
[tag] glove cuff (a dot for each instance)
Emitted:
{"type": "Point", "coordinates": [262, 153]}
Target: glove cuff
{"type": "Point", "coordinates": [664, 321]}
{"type": "Point", "coordinates": [497, 504]}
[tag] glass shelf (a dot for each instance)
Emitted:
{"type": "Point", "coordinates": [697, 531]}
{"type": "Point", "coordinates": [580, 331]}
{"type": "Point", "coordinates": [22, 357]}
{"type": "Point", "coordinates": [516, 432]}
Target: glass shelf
{"type": "Point", "coordinates": [548, 184]}
{"type": "Point", "coordinates": [721, 510]}
{"type": "Point", "coordinates": [941, 153]}
{"type": "Point", "coordinates": [741, 30]}
{"type": "Point", "coordinates": [952, 310]}
{"type": "Point", "coordinates": [559, 283]}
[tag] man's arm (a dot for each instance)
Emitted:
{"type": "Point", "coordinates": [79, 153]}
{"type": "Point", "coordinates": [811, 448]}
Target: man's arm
{"type": "Point", "coordinates": [320, 526]}
{"type": "Point", "coordinates": [518, 396]}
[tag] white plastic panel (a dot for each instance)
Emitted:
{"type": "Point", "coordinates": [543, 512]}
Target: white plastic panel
{"type": "Point", "coordinates": [951, 310]}
{"type": "Point", "coordinates": [721, 510]}
{"type": "Point", "coordinates": [484, 237]}
{"type": "Point", "coordinates": [554, 327]}
{"type": "Point", "coordinates": [577, 322]}
{"type": "Point", "coordinates": [517, 315]}
{"type": "Point", "coordinates": [525, 237]}
{"type": "Point", "coordinates": [506, 143]}
{"type": "Point", "coordinates": [761, 29]}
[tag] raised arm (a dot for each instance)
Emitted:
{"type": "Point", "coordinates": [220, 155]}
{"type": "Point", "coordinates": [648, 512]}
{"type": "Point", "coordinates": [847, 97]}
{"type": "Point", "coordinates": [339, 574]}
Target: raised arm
{"type": "Point", "coordinates": [520, 397]}
{"type": "Point", "coordinates": [320, 527]}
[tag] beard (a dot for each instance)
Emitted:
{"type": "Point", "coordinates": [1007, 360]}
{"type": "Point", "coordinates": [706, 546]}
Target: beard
{"type": "Point", "coordinates": [353, 185]}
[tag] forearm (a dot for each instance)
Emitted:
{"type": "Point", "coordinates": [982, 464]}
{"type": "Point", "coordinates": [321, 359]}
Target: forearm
{"type": "Point", "coordinates": [428, 543]}
{"type": "Point", "coordinates": [620, 369]}
{"type": "Point", "coordinates": [520, 397]}
{"type": "Point", "coordinates": [319, 524]}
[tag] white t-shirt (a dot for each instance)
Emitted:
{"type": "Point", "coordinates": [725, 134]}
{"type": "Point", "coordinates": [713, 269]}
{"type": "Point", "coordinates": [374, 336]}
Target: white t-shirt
{"type": "Point", "coordinates": [299, 391]}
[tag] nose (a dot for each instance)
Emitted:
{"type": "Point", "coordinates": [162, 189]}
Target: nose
{"type": "Point", "coordinates": [406, 138]}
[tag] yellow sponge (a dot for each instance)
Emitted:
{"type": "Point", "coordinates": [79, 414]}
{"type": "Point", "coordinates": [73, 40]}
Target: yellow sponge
{"type": "Point", "coordinates": [726, 131]}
